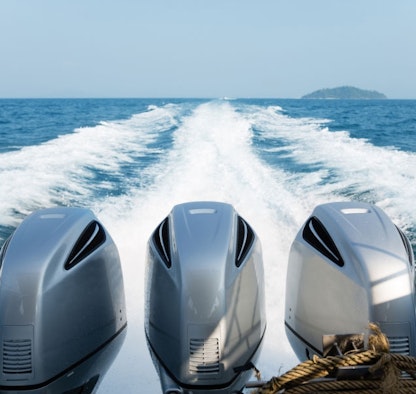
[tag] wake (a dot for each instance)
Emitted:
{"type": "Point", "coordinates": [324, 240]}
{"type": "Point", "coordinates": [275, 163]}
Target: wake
{"type": "Point", "coordinates": [272, 168]}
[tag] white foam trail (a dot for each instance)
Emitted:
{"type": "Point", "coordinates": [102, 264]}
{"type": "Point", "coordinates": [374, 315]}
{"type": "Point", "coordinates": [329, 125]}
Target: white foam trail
{"type": "Point", "coordinates": [213, 159]}
{"type": "Point", "coordinates": [63, 171]}
{"type": "Point", "coordinates": [346, 167]}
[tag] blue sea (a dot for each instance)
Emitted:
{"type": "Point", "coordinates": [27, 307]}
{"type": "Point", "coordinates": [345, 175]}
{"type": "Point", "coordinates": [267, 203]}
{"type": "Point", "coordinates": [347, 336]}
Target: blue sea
{"type": "Point", "coordinates": [131, 160]}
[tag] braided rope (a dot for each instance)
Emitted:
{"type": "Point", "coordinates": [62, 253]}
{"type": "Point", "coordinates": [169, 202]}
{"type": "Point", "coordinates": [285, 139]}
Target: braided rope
{"type": "Point", "coordinates": [302, 378]}
{"type": "Point", "coordinates": [316, 368]}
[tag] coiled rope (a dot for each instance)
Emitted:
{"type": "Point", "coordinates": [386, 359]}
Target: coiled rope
{"type": "Point", "coordinates": [385, 372]}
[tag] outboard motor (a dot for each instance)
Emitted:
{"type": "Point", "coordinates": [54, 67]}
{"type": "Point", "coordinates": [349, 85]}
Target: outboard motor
{"type": "Point", "coordinates": [205, 309]}
{"type": "Point", "coordinates": [62, 307]}
{"type": "Point", "coordinates": [348, 266]}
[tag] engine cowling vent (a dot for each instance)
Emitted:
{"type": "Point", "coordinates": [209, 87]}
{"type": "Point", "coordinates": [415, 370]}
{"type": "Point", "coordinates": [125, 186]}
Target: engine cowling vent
{"type": "Point", "coordinates": [204, 356]}
{"type": "Point", "coordinates": [3, 250]}
{"type": "Point", "coordinates": [245, 239]}
{"type": "Point", "coordinates": [399, 345]}
{"type": "Point", "coordinates": [17, 352]}
{"type": "Point", "coordinates": [407, 246]}
{"type": "Point", "coordinates": [315, 234]}
{"type": "Point", "coordinates": [91, 238]}
{"type": "Point", "coordinates": [17, 357]}
{"type": "Point", "coordinates": [162, 242]}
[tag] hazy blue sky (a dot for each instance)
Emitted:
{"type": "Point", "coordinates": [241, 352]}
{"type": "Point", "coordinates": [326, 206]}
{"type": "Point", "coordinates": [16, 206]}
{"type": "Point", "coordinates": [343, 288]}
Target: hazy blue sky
{"type": "Point", "coordinates": [205, 48]}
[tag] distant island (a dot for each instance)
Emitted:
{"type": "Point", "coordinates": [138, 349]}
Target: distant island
{"type": "Point", "coordinates": [345, 92]}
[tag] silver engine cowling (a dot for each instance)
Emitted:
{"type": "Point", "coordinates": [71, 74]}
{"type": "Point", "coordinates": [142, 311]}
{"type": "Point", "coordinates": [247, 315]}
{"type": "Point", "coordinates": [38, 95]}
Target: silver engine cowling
{"type": "Point", "coordinates": [62, 306]}
{"type": "Point", "coordinates": [349, 265]}
{"type": "Point", "coordinates": [205, 309]}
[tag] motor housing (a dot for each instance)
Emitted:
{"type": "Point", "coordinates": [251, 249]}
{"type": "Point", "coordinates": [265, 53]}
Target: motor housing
{"type": "Point", "coordinates": [205, 309]}
{"type": "Point", "coordinates": [62, 305]}
{"type": "Point", "coordinates": [349, 265]}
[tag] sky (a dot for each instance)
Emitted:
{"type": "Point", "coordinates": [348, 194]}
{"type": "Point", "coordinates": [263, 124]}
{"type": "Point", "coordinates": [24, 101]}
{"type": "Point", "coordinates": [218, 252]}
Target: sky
{"type": "Point", "coordinates": [205, 48]}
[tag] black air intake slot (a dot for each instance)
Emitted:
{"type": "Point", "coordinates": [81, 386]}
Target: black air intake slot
{"type": "Point", "coordinates": [407, 246]}
{"type": "Point", "coordinates": [3, 250]}
{"type": "Point", "coordinates": [91, 238]}
{"type": "Point", "coordinates": [162, 242]}
{"type": "Point", "coordinates": [245, 237]}
{"type": "Point", "coordinates": [315, 234]}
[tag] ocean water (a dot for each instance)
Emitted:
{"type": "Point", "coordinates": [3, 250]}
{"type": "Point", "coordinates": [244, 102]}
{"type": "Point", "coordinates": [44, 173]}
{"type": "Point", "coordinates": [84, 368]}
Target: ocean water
{"type": "Point", "coordinates": [131, 160]}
